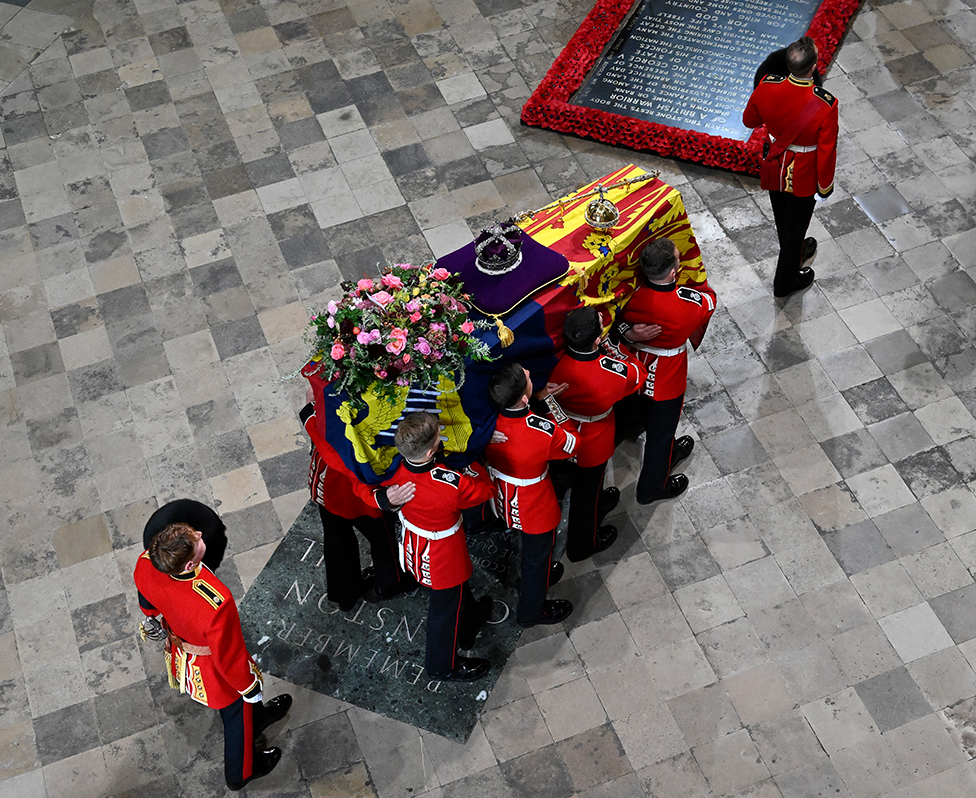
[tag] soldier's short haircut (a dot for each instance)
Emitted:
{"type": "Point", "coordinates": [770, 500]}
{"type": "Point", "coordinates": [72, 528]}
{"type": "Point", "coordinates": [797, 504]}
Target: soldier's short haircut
{"type": "Point", "coordinates": [172, 548]}
{"type": "Point", "coordinates": [416, 435]}
{"type": "Point", "coordinates": [507, 386]}
{"type": "Point", "coordinates": [582, 328]}
{"type": "Point", "coordinates": [801, 56]}
{"type": "Point", "coordinates": [658, 258]}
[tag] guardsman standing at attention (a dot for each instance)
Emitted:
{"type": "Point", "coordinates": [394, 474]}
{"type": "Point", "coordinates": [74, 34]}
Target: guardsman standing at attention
{"type": "Point", "coordinates": [795, 110]}
{"type": "Point", "coordinates": [205, 652]}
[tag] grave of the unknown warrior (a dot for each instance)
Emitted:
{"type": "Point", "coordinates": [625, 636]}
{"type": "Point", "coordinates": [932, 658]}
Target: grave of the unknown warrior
{"type": "Point", "coordinates": [690, 64]}
{"type": "Point", "coordinates": [373, 656]}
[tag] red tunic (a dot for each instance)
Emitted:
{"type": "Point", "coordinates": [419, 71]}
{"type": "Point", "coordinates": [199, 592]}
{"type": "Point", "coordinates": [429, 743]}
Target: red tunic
{"type": "Point", "coordinates": [330, 483]}
{"type": "Point", "coordinates": [596, 383]}
{"type": "Point", "coordinates": [683, 314]}
{"type": "Point", "coordinates": [441, 494]}
{"type": "Point", "coordinates": [776, 103]}
{"type": "Point", "coordinates": [532, 442]}
{"type": "Point", "coordinates": [200, 610]}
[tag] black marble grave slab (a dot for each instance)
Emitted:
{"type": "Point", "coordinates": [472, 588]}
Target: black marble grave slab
{"type": "Point", "coordinates": [373, 656]}
{"type": "Point", "coordinates": [690, 63]}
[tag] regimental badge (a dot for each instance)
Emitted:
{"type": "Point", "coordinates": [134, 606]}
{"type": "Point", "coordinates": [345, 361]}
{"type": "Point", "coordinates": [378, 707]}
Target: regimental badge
{"type": "Point", "coordinates": [690, 295]}
{"type": "Point", "coordinates": [609, 364]}
{"type": "Point", "coordinates": [539, 423]}
{"type": "Point", "coordinates": [446, 476]}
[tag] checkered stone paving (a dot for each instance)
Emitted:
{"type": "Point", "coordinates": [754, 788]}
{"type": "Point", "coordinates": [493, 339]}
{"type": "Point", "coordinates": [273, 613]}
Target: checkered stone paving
{"type": "Point", "coordinates": [179, 181]}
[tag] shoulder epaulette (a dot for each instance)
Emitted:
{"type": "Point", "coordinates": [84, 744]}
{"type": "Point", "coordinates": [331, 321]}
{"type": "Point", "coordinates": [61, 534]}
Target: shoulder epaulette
{"type": "Point", "coordinates": [212, 596]}
{"type": "Point", "coordinates": [774, 79]}
{"type": "Point", "coordinates": [541, 424]}
{"type": "Point", "coordinates": [609, 364]}
{"type": "Point", "coordinates": [446, 476]}
{"type": "Point", "coordinates": [824, 95]}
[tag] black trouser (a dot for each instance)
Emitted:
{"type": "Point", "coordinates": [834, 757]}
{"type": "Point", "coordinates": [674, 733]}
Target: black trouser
{"type": "Point", "coordinates": [238, 720]}
{"type": "Point", "coordinates": [450, 612]}
{"type": "Point", "coordinates": [661, 420]}
{"type": "Point", "coordinates": [343, 574]}
{"type": "Point", "coordinates": [585, 487]}
{"type": "Point", "coordinates": [792, 215]}
{"type": "Point", "coordinates": [536, 567]}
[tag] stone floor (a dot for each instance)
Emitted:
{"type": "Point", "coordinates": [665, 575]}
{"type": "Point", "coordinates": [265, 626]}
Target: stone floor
{"type": "Point", "coordinates": [181, 180]}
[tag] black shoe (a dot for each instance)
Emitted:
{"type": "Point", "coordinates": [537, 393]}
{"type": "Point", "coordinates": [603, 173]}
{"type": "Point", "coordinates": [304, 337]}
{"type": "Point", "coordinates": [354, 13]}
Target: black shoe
{"type": "Point", "coordinates": [609, 497]}
{"type": "Point", "coordinates": [675, 486]}
{"type": "Point", "coordinates": [605, 536]}
{"type": "Point", "coordinates": [556, 573]}
{"type": "Point", "coordinates": [467, 670]}
{"type": "Point", "coordinates": [264, 763]}
{"type": "Point", "coordinates": [405, 585]}
{"type": "Point", "coordinates": [480, 614]}
{"type": "Point", "coordinates": [271, 712]}
{"type": "Point", "coordinates": [809, 248]}
{"type": "Point", "coordinates": [804, 279]}
{"type": "Point", "coordinates": [681, 450]}
{"type": "Point", "coordinates": [553, 611]}
{"type": "Point", "coordinates": [367, 577]}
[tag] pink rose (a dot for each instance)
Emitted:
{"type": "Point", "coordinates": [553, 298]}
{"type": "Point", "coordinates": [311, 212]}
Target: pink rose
{"type": "Point", "coordinates": [379, 372]}
{"type": "Point", "coordinates": [412, 306]}
{"type": "Point", "coordinates": [338, 351]}
{"type": "Point", "coordinates": [365, 284]}
{"type": "Point", "coordinates": [333, 307]}
{"type": "Point", "coordinates": [467, 328]}
{"type": "Point", "coordinates": [392, 281]}
{"type": "Point", "coordinates": [415, 317]}
{"type": "Point", "coordinates": [423, 346]}
{"type": "Point", "coordinates": [396, 346]}
{"type": "Point", "coordinates": [382, 298]}
{"type": "Point", "coordinates": [440, 273]}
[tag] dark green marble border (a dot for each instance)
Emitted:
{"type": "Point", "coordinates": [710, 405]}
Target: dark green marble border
{"type": "Point", "coordinates": [373, 656]}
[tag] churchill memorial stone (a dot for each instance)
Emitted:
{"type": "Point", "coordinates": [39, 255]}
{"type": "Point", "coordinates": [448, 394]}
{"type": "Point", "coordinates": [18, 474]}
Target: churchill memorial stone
{"type": "Point", "coordinates": [691, 64]}
{"type": "Point", "coordinates": [373, 656]}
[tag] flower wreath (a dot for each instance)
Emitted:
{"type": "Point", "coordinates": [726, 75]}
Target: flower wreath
{"type": "Point", "coordinates": [550, 105]}
{"type": "Point", "coordinates": [409, 326]}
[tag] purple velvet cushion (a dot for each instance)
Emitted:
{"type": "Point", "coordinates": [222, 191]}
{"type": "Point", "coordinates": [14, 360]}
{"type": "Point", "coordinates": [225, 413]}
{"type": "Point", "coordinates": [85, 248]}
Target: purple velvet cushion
{"type": "Point", "coordinates": [499, 293]}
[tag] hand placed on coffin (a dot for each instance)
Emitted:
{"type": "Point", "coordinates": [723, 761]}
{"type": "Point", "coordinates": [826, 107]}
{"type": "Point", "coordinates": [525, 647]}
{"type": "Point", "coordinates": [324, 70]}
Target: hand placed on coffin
{"type": "Point", "coordinates": [398, 495]}
{"type": "Point", "coordinates": [551, 389]}
{"type": "Point", "coordinates": [498, 436]}
{"type": "Point", "coordinates": [643, 332]}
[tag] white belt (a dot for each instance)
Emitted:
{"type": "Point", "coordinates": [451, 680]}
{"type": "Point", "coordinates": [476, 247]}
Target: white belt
{"type": "Point", "coordinates": [426, 533]}
{"type": "Point", "coordinates": [514, 481]}
{"type": "Point", "coordinates": [653, 350]}
{"type": "Point", "coordinates": [589, 418]}
{"type": "Point", "coordinates": [799, 147]}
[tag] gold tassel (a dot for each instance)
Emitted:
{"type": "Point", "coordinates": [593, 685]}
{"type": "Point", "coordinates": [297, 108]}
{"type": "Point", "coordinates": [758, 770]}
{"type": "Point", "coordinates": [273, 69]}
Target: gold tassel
{"type": "Point", "coordinates": [505, 336]}
{"type": "Point", "coordinates": [167, 659]}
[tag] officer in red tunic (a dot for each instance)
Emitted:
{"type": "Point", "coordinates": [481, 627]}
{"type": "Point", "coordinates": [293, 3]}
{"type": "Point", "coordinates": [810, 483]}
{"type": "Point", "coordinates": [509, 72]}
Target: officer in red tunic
{"type": "Point", "coordinates": [657, 323]}
{"type": "Point", "coordinates": [434, 548]}
{"type": "Point", "coordinates": [595, 382]}
{"type": "Point", "coordinates": [331, 485]}
{"type": "Point", "coordinates": [524, 495]}
{"type": "Point", "coordinates": [205, 650]}
{"type": "Point", "coordinates": [780, 103]}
